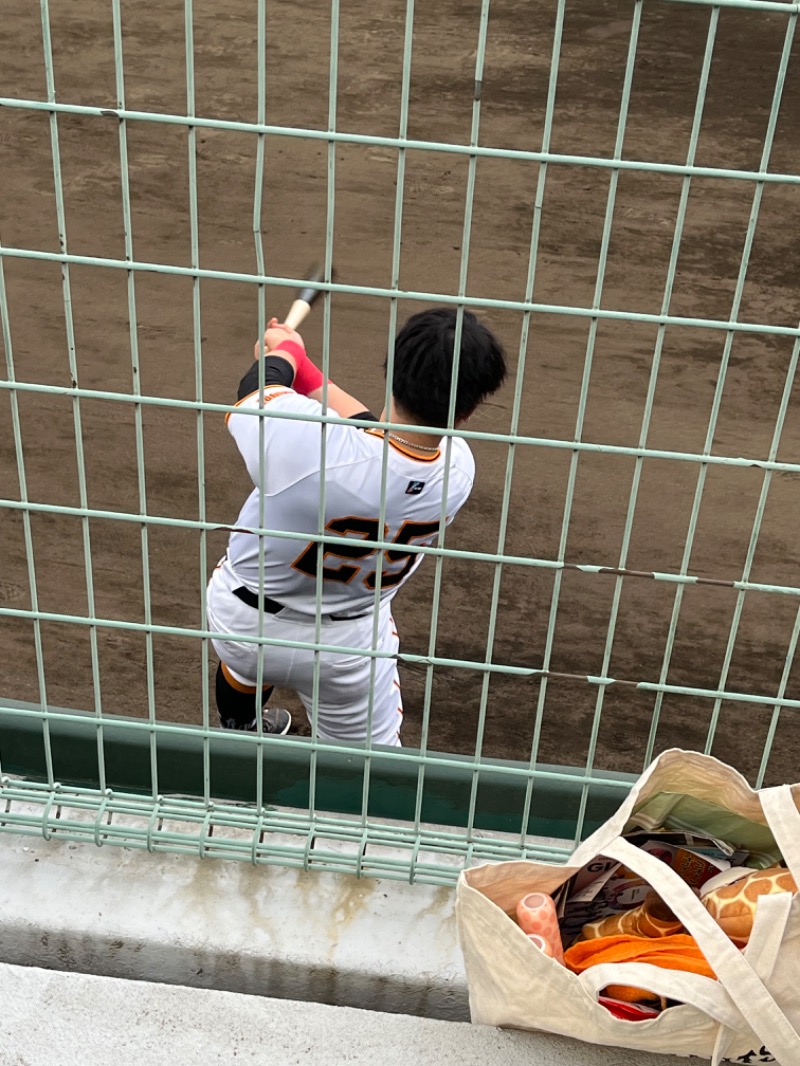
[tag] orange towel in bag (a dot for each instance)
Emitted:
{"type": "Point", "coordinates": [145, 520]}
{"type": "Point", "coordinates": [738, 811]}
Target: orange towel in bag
{"type": "Point", "coordinates": [678, 952]}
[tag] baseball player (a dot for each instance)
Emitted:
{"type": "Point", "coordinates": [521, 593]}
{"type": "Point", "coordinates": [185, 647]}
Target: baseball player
{"type": "Point", "coordinates": [284, 458]}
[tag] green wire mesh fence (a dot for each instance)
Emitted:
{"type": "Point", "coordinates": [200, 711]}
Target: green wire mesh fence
{"type": "Point", "coordinates": [615, 190]}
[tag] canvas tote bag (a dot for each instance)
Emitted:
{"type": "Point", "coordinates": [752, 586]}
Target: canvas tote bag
{"type": "Point", "coordinates": [750, 1014]}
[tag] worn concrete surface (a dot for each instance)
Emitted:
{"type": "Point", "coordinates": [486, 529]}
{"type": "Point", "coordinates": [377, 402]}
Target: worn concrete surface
{"type": "Point", "coordinates": [59, 1019]}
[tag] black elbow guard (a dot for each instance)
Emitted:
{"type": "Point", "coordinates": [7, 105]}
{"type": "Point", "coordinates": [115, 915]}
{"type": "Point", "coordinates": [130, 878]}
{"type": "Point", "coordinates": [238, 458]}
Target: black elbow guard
{"type": "Point", "coordinates": [277, 371]}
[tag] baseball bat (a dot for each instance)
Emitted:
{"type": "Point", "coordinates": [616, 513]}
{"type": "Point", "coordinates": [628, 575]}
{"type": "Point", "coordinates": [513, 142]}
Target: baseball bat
{"type": "Point", "coordinates": [306, 297]}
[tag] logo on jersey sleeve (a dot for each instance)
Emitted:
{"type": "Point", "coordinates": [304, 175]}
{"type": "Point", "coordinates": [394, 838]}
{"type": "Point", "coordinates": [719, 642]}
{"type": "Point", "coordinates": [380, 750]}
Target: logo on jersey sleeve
{"type": "Point", "coordinates": [414, 488]}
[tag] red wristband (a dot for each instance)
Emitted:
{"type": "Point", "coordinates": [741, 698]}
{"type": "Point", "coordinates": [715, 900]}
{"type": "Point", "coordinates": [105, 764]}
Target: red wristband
{"type": "Point", "coordinates": [307, 377]}
{"type": "Point", "coordinates": [292, 347]}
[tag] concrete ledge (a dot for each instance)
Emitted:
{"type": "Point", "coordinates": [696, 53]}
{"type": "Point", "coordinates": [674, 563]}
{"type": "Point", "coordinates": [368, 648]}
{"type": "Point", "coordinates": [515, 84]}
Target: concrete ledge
{"type": "Point", "coordinates": [266, 930]}
{"type": "Point", "coordinates": [58, 1019]}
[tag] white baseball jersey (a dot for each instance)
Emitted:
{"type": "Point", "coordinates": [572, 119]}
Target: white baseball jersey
{"type": "Point", "coordinates": [290, 478]}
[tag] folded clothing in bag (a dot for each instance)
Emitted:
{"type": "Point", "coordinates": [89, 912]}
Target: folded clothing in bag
{"type": "Point", "coordinates": [677, 952]}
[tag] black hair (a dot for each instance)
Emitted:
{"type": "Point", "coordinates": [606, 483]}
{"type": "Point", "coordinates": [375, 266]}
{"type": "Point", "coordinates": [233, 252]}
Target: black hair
{"type": "Point", "coordinates": [423, 365]}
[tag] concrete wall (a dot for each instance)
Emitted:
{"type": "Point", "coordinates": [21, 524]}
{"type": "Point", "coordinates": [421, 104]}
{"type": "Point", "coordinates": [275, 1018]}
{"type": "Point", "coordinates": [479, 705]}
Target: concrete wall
{"type": "Point", "coordinates": [262, 930]}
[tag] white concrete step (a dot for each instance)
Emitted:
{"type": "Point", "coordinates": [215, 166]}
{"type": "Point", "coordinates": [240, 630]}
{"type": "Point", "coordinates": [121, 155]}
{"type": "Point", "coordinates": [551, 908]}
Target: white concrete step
{"type": "Point", "coordinates": [59, 1019]}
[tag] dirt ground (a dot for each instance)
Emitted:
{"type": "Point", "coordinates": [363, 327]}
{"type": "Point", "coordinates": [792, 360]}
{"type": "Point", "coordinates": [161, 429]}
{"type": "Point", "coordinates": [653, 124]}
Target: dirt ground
{"type": "Point", "coordinates": [590, 82]}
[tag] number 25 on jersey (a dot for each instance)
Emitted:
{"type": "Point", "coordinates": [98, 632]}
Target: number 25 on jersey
{"type": "Point", "coordinates": [369, 529]}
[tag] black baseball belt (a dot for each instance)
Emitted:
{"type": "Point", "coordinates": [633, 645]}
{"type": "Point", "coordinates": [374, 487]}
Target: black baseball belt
{"type": "Point", "coordinates": [271, 606]}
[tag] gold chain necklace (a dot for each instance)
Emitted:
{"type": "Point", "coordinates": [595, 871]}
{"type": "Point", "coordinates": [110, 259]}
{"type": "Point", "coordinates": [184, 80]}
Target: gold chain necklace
{"type": "Point", "coordinates": [408, 444]}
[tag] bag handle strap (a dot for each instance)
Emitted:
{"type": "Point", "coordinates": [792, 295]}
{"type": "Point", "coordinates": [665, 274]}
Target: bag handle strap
{"type": "Point", "coordinates": [762, 951]}
{"type": "Point", "coordinates": [772, 912]}
{"type": "Point", "coordinates": [782, 816]}
{"type": "Point", "coordinates": [704, 993]}
{"type": "Point", "coordinates": [690, 988]}
{"type": "Point", "coordinates": [733, 971]}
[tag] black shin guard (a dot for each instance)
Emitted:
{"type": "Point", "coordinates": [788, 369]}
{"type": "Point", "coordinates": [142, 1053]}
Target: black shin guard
{"type": "Point", "coordinates": [237, 710]}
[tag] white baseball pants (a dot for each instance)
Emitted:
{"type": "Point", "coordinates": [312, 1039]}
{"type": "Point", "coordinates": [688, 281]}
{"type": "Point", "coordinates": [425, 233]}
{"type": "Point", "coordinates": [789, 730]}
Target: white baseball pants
{"type": "Point", "coordinates": [344, 678]}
